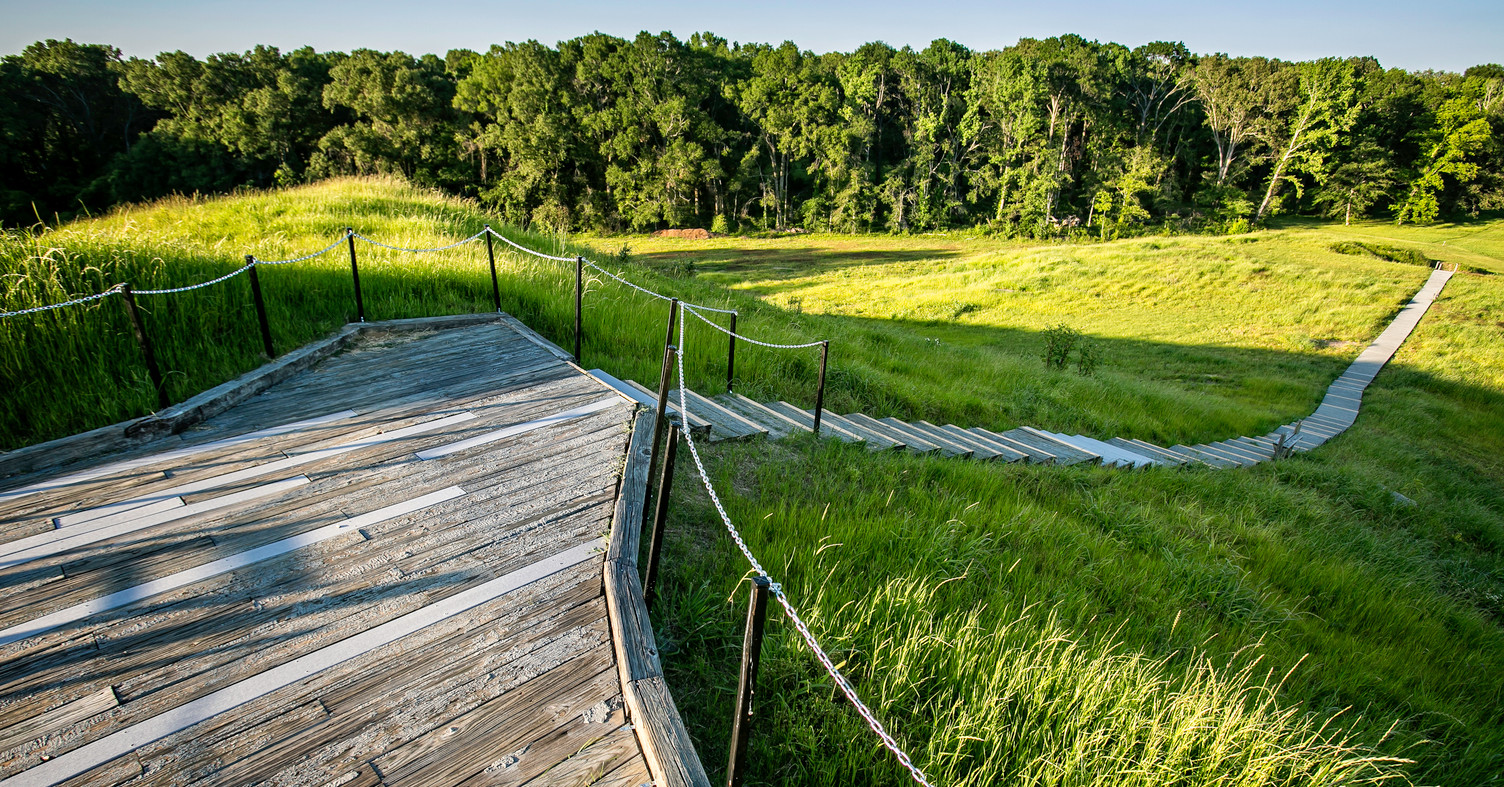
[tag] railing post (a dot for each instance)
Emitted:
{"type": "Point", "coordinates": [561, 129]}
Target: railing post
{"type": "Point", "coordinates": [660, 514]}
{"type": "Point", "coordinates": [731, 354]}
{"type": "Point", "coordinates": [491, 257]}
{"type": "Point", "coordinates": [820, 390]}
{"type": "Point", "coordinates": [579, 300]}
{"type": "Point", "coordinates": [673, 313]}
{"type": "Point", "coordinates": [266, 327]}
{"type": "Point", "coordinates": [360, 305]}
{"type": "Point", "coordinates": [145, 343]}
{"type": "Point", "coordinates": [741, 725]}
{"type": "Point", "coordinates": [663, 383]}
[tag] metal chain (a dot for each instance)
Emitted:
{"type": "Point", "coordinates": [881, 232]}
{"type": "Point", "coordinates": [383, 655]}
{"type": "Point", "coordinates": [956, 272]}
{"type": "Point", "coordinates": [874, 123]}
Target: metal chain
{"type": "Point", "coordinates": [517, 245]}
{"type": "Point", "coordinates": [866, 713]}
{"type": "Point", "coordinates": [324, 250]}
{"type": "Point", "coordinates": [643, 290]}
{"type": "Point", "coordinates": [230, 275]}
{"type": "Point", "coordinates": [74, 302]}
{"type": "Point", "coordinates": [695, 311]}
{"type": "Point", "coordinates": [419, 251]}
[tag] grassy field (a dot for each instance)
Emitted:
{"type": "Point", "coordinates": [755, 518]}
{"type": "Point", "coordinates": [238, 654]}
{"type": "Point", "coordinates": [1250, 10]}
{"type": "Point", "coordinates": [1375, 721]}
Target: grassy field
{"type": "Point", "coordinates": [1286, 624]}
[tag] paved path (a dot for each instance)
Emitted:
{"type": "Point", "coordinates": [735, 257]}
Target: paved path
{"type": "Point", "coordinates": [386, 569]}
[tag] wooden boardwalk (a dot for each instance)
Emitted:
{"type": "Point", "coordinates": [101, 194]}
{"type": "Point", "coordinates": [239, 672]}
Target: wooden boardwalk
{"type": "Point", "coordinates": [731, 416]}
{"type": "Point", "coordinates": [385, 569]}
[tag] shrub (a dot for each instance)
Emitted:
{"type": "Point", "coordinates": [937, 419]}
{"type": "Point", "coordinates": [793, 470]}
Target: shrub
{"type": "Point", "coordinates": [1059, 341]}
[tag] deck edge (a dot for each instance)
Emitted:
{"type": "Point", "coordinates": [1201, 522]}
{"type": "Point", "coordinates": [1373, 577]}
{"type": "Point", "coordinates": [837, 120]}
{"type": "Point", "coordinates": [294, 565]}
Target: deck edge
{"type": "Point", "coordinates": [661, 735]}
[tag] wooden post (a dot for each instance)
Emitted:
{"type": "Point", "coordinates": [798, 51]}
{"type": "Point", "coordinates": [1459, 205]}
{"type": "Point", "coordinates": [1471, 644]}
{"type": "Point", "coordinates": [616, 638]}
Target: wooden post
{"type": "Point", "coordinates": [144, 342]}
{"type": "Point", "coordinates": [731, 354]}
{"type": "Point", "coordinates": [741, 725]}
{"type": "Point", "coordinates": [820, 390]}
{"type": "Point", "coordinates": [360, 305]}
{"type": "Point", "coordinates": [660, 515]}
{"type": "Point", "coordinates": [579, 300]}
{"type": "Point", "coordinates": [491, 256]}
{"type": "Point", "coordinates": [663, 383]}
{"type": "Point", "coordinates": [266, 327]}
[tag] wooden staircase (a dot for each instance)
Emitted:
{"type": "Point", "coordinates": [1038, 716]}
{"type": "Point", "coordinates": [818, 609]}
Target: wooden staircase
{"type": "Point", "coordinates": [731, 416]}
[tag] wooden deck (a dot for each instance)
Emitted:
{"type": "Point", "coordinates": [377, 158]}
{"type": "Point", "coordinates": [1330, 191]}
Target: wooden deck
{"type": "Point", "coordinates": [385, 569]}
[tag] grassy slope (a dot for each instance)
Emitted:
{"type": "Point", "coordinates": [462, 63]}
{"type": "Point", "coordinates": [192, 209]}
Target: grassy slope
{"type": "Point", "coordinates": [1391, 613]}
{"type": "Point", "coordinates": [1394, 611]}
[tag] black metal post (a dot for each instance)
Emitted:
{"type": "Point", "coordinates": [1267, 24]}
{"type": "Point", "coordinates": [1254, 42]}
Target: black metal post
{"type": "Point", "coordinates": [579, 300]}
{"type": "Point", "coordinates": [491, 257]}
{"type": "Point", "coordinates": [360, 305]}
{"type": "Point", "coordinates": [820, 391]}
{"type": "Point", "coordinates": [731, 354]}
{"type": "Point", "coordinates": [266, 327]}
{"type": "Point", "coordinates": [145, 342]}
{"type": "Point", "coordinates": [660, 515]}
{"type": "Point", "coordinates": [673, 313]}
{"type": "Point", "coordinates": [663, 383]}
{"type": "Point", "coordinates": [741, 726]}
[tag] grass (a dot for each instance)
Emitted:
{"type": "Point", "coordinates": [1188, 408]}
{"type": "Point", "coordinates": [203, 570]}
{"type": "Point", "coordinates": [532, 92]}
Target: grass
{"type": "Point", "coordinates": [1284, 624]}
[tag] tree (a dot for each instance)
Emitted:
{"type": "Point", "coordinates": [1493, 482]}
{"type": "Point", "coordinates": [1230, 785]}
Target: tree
{"type": "Point", "coordinates": [1305, 131]}
{"type": "Point", "coordinates": [1461, 132]}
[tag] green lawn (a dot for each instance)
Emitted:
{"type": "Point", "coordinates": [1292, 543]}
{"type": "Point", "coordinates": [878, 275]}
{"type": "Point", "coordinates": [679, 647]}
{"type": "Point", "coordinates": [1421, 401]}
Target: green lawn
{"type": "Point", "coordinates": [1285, 624]}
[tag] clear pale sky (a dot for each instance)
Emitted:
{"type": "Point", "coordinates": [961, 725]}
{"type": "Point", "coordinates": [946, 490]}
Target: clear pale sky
{"type": "Point", "coordinates": [1414, 34]}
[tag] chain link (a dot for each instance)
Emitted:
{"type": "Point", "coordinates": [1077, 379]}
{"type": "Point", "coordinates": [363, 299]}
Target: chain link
{"type": "Point", "coordinates": [643, 290]}
{"type": "Point", "coordinates": [74, 302]}
{"type": "Point", "coordinates": [788, 608]}
{"type": "Point", "coordinates": [419, 251]}
{"type": "Point", "coordinates": [517, 245]}
{"type": "Point", "coordinates": [230, 275]}
{"type": "Point", "coordinates": [325, 250]}
{"type": "Point", "coordinates": [695, 310]}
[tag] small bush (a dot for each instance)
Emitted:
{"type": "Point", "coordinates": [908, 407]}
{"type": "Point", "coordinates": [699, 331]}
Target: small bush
{"type": "Point", "coordinates": [720, 226]}
{"type": "Point", "coordinates": [1087, 358]}
{"type": "Point", "coordinates": [1059, 341]}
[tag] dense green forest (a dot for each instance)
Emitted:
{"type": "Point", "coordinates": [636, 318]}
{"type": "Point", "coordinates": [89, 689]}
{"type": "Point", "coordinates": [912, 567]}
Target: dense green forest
{"type": "Point", "coordinates": [1062, 136]}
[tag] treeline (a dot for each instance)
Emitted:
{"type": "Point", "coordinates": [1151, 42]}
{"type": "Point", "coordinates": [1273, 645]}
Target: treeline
{"type": "Point", "coordinates": [1059, 136]}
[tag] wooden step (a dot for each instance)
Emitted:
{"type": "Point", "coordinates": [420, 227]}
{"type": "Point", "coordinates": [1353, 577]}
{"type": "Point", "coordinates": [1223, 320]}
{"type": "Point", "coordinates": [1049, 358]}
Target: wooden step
{"type": "Point", "coordinates": [778, 425]}
{"type": "Point", "coordinates": [1246, 451]}
{"type": "Point", "coordinates": [1065, 454]}
{"type": "Point", "coordinates": [936, 432]}
{"type": "Point", "coordinates": [1234, 458]}
{"type": "Point", "coordinates": [911, 443]}
{"type": "Point", "coordinates": [1187, 456]}
{"type": "Point", "coordinates": [698, 424]}
{"type": "Point", "coordinates": [1147, 449]}
{"type": "Point", "coordinates": [876, 441]}
{"type": "Point", "coordinates": [724, 424]}
{"type": "Point", "coordinates": [1111, 453]}
{"type": "Point", "coordinates": [1000, 452]}
{"type": "Point", "coordinates": [806, 421]}
{"type": "Point", "coordinates": [948, 444]}
{"type": "Point", "coordinates": [945, 446]}
{"type": "Point", "coordinates": [1035, 455]}
{"type": "Point", "coordinates": [1214, 460]}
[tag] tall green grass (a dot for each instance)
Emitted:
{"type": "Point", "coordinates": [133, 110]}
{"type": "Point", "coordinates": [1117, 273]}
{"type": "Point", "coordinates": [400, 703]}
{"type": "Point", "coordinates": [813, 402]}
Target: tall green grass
{"type": "Point", "coordinates": [1288, 624]}
{"type": "Point", "coordinates": [77, 368]}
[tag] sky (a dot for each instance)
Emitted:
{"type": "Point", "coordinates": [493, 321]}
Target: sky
{"type": "Point", "coordinates": [1444, 35]}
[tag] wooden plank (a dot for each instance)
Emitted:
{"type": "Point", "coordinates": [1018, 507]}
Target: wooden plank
{"type": "Point", "coordinates": [42, 724]}
{"type": "Point", "coordinates": [1035, 455]}
{"type": "Point", "coordinates": [947, 445]}
{"type": "Point", "coordinates": [653, 707]}
{"type": "Point", "coordinates": [660, 730]}
{"type": "Point", "coordinates": [590, 764]}
{"type": "Point", "coordinates": [998, 450]}
{"type": "Point", "coordinates": [634, 773]}
{"type": "Point", "coordinates": [911, 442]}
{"type": "Point", "coordinates": [778, 425]}
{"type": "Point", "coordinates": [806, 421]}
